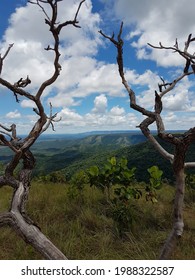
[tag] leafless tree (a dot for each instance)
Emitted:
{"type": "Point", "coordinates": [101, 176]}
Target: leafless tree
{"type": "Point", "coordinates": [181, 143]}
{"type": "Point", "coordinates": [16, 217]}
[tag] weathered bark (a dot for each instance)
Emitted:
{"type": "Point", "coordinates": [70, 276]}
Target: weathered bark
{"type": "Point", "coordinates": [178, 223]}
{"type": "Point", "coordinates": [29, 232]}
{"type": "Point", "coordinates": [19, 220]}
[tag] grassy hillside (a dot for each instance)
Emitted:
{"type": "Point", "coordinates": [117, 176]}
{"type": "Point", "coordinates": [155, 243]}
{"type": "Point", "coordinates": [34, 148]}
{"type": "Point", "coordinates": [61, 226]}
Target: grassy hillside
{"type": "Point", "coordinates": [83, 228]}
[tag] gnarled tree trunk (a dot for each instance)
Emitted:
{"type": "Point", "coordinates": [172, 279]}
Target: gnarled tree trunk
{"type": "Point", "coordinates": [178, 223]}
{"type": "Point", "coordinates": [17, 217]}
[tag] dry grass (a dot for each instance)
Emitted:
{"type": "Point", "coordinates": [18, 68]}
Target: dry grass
{"type": "Point", "coordinates": [83, 228]}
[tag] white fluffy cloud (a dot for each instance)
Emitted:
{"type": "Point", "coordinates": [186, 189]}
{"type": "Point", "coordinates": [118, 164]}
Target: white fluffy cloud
{"type": "Point", "coordinates": [100, 118]}
{"type": "Point", "coordinates": [27, 104]}
{"type": "Point", "coordinates": [154, 22]}
{"type": "Point", "coordinates": [177, 121]}
{"type": "Point", "coordinates": [72, 121]}
{"type": "Point", "coordinates": [70, 118]}
{"type": "Point", "coordinates": [117, 111]}
{"type": "Point", "coordinates": [13, 115]}
{"type": "Point", "coordinates": [100, 104]}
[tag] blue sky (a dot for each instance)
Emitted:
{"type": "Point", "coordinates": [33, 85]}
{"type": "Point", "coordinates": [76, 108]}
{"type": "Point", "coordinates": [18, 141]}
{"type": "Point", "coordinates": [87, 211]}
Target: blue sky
{"type": "Point", "coordinates": [88, 94]}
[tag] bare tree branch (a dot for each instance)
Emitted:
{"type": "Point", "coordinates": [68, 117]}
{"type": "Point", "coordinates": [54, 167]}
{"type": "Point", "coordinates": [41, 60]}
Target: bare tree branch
{"type": "Point", "coordinates": [38, 4]}
{"type": "Point", "coordinates": [55, 30]}
{"type": "Point", "coordinates": [119, 45]}
{"type": "Point", "coordinates": [2, 58]}
{"type": "Point", "coordinates": [16, 89]}
{"type": "Point", "coordinates": [50, 120]}
{"type": "Point", "coordinates": [172, 84]}
{"type": "Point", "coordinates": [73, 22]}
{"type": "Point", "coordinates": [190, 58]}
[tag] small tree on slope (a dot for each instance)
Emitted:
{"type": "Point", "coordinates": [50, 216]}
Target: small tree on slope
{"type": "Point", "coordinates": [16, 217]}
{"type": "Point", "coordinates": [181, 143]}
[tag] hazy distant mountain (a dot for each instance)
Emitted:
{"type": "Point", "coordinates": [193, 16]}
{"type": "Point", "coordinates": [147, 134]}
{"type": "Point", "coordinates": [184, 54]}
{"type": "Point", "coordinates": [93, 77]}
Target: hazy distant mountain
{"type": "Point", "coordinates": [62, 153]}
{"type": "Point", "coordinates": [71, 153]}
{"type": "Point", "coordinates": [52, 144]}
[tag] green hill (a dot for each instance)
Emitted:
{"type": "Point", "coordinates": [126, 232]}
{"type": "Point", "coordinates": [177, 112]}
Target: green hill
{"type": "Point", "coordinates": [80, 153]}
{"type": "Point", "coordinates": [70, 155]}
{"type": "Point", "coordinates": [142, 156]}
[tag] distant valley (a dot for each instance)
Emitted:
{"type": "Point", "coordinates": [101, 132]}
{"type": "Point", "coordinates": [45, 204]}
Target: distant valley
{"type": "Point", "coordinates": [70, 153]}
{"type": "Point", "coordinates": [74, 154]}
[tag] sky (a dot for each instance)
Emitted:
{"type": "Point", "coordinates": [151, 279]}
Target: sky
{"type": "Point", "coordinates": [89, 95]}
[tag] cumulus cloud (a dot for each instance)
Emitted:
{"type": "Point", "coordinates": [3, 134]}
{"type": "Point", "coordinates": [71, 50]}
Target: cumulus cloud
{"type": "Point", "coordinates": [70, 118]}
{"type": "Point", "coordinates": [99, 118]}
{"type": "Point", "coordinates": [152, 21]}
{"type": "Point", "coordinates": [100, 104]}
{"type": "Point", "coordinates": [103, 78]}
{"type": "Point", "coordinates": [27, 104]}
{"type": "Point", "coordinates": [62, 100]}
{"type": "Point", "coordinates": [92, 121]}
{"type": "Point", "coordinates": [117, 111]}
{"type": "Point", "coordinates": [178, 99]}
{"type": "Point", "coordinates": [13, 115]}
{"type": "Point", "coordinates": [178, 121]}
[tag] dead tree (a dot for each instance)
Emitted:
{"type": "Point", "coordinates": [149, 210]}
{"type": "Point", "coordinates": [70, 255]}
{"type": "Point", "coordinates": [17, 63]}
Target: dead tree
{"type": "Point", "coordinates": [181, 143]}
{"type": "Point", "coordinates": [16, 217]}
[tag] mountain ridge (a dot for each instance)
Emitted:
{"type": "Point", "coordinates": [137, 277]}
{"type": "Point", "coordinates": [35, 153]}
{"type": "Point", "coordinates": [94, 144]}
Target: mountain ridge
{"type": "Point", "coordinates": [70, 155]}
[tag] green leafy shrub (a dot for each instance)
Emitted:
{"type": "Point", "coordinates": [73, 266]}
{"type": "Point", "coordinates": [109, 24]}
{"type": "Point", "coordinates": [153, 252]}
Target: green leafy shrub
{"type": "Point", "coordinates": [116, 176]}
{"type": "Point", "coordinates": [117, 181]}
{"type": "Point", "coordinates": [154, 183]}
{"type": "Point", "coordinates": [112, 173]}
{"type": "Point", "coordinates": [53, 177]}
{"type": "Point", "coordinates": [79, 179]}
{"type": "Point", "coordinates": [190, 181]}
{"type": "Point", "coordinates": [77, 183]}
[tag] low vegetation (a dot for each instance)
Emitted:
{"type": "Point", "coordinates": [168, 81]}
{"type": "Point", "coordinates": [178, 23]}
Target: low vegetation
{"type": "Point", "coordinates": [80, 220]}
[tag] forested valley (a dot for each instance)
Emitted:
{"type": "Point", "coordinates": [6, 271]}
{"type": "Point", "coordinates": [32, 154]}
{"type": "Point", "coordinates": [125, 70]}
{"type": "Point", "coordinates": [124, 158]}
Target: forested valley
{"type": "Point", "coordinates": [67, 154]}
